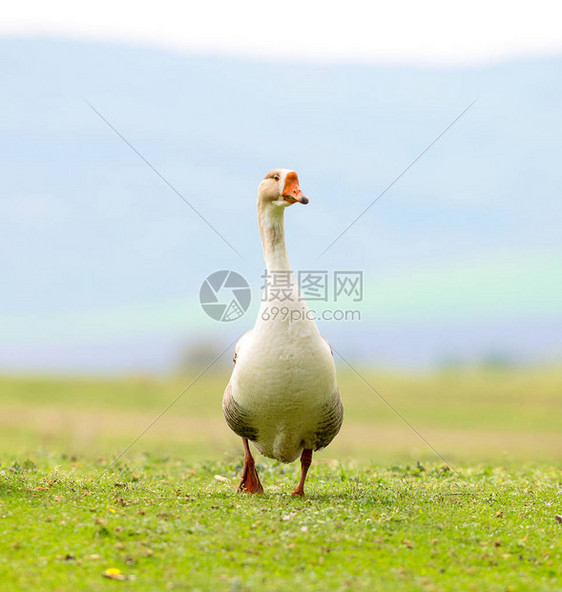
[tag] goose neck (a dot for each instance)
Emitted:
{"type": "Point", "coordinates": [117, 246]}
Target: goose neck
{"type": "Point", "coordinates": [272, 233]}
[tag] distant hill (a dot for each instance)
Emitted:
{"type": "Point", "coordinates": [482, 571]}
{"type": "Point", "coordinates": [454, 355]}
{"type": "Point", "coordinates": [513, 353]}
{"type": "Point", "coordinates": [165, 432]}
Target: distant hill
{"type": "Point", "coordinates": [102, 262]}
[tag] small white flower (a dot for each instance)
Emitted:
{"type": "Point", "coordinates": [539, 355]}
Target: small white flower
{"type": "Point", "coordinates": [304, 528]}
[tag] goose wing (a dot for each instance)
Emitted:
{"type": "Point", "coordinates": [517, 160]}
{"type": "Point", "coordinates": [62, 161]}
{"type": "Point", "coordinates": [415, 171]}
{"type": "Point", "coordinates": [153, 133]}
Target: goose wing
{"type": "Point", "coordinates": [329, 422]}
{"type": "Point", "coordinates": [331, 418]}
{"type": "Point", "coordinates": [237, 418]}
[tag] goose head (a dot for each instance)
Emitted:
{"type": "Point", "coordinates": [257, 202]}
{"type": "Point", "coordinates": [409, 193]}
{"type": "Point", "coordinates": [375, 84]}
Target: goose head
{"type": "Point", "coordinates": [280, 188]}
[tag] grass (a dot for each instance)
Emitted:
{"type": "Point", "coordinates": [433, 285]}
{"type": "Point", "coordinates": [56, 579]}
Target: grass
{"type": "Point", "coordinates": [382, 511]}
{"type": "Point", "coordinates": [467, 415]}
{"type": "Point", "coordinates": [167, 524]}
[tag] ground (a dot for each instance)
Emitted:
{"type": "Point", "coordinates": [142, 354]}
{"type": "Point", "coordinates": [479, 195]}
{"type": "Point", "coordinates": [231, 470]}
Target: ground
{"type": "Point", "coordinates": [382, 511]}
{"type": "Point", "coordinates": [167, 524]}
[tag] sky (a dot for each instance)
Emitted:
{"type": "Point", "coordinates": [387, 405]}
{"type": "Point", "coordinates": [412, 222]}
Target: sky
{"type": "Point", "coordinates": [431, 32]}
{"type": "Point", "coordinates": [460, 256]}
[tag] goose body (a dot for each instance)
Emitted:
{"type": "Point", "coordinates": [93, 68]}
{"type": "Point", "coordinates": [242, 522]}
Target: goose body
{"type": "Point", "coordinates": [283, 394]}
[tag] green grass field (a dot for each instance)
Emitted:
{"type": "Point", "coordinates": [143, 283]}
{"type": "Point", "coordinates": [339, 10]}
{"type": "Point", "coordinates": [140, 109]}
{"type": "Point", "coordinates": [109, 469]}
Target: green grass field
{"type": "Point", "coordinates": [382, 511]}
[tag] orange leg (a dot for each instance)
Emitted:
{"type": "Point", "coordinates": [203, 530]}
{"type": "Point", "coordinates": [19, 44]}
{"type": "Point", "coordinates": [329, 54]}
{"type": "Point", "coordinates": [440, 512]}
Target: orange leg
{"type": "Point", "coordinates": [250, 482]}
{"type": "Point", "coordinates": [306, 461]}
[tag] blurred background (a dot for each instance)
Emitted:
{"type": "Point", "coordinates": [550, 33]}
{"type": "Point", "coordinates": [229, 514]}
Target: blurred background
{"type": "Point", "coordinates": [102, 263]}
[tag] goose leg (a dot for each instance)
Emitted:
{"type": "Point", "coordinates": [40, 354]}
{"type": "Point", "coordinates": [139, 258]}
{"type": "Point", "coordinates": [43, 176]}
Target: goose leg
{"type": "Point", "coordinates": [306, 461]}
{"type": "Point", "coordinates": [250, 482]}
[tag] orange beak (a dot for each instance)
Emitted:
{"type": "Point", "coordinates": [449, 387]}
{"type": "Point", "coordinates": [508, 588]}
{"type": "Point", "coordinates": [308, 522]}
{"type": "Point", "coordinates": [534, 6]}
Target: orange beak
{"type": "Point", "coordinates": [292, 192]}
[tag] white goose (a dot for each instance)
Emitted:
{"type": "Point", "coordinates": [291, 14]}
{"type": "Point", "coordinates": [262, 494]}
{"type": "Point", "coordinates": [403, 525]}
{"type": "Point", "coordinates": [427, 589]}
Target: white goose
{"type": "Point", "coordinates": [282, 394]}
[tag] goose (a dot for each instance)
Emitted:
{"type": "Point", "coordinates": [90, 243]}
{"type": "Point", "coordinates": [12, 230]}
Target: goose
{"type": "Point", "coordinates": [283, 394]}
